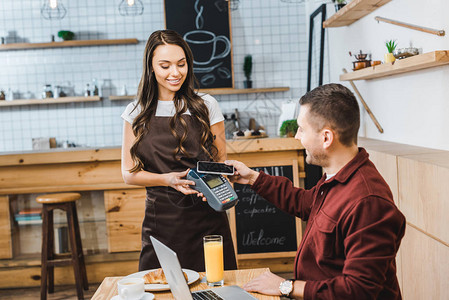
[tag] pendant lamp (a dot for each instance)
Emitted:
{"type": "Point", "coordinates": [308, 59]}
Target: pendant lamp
{"type": "Point", "coordinates": [53, 10]}
{"type": "Point", "coordinates": [130, 8]}
{"type": "Point", "coordinates": [222, 5]}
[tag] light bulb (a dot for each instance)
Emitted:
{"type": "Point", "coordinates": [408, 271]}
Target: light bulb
{"type": "Point", "coordinates": [130, 7]}
{"type": "Point", "coordinates": [53, 4]}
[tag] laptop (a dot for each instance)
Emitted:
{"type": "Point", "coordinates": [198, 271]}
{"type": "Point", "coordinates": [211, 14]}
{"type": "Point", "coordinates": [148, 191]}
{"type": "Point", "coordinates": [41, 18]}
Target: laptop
{"type": "Point", "coordinates": [178, 285]}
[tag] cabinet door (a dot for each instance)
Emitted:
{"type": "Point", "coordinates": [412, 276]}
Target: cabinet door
{"type": "Point", "coordinates": [125, 210]}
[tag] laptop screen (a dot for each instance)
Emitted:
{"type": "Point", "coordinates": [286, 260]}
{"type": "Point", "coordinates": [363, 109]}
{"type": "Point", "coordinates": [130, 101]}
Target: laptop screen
{"type": "Point", "coordinates": [172, 270]}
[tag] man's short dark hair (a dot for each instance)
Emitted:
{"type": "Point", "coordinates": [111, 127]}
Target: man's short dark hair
{"type": "Point", "coordinates": [335, 106]}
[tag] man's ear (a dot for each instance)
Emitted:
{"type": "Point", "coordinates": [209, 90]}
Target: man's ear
{"type": "Point", "coordinates": [328, 137]}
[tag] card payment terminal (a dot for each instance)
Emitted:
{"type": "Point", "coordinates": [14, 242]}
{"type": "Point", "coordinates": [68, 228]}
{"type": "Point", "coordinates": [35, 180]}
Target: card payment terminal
{"type": "Point", "coordinates": [218, 191]}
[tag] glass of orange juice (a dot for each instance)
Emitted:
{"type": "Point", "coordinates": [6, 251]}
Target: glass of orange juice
{"type": "Point", "coordinates": [213, 259]}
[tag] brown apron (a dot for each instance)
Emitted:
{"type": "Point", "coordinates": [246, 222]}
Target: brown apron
{"type": "Point", "coordinates": [177, 220]}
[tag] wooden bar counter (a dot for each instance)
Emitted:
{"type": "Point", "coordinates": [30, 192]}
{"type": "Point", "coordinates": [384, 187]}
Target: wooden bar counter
{"type": "Point", "coordinates": [76, 169]}
{"type": "Point", "coordinates": [86, 170]}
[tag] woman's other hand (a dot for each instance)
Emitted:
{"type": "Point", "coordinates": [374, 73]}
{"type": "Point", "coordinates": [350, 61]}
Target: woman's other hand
{"type": "Point", "coordinates": [175, 180]}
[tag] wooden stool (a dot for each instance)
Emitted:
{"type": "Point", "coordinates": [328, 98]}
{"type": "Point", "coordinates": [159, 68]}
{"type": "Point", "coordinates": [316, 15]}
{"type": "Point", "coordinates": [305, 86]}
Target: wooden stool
{"type": "Point", "coordinates": [66, 202]}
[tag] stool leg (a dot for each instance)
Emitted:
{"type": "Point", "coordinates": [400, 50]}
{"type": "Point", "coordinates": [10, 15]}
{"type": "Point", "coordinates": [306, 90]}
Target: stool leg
{"type": "Point", "coordinates": [80, 247]}
{"type": "Point", "coordinates": [75, 250]}
{"type": "Point", "coordinates": [50, 251]}
{"type": "Point", "coordinates": [44, 253]}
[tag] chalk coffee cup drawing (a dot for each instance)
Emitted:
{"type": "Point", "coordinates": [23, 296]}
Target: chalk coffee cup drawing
{"type": "Point", "coordinates": [204, 45]}
{"type": "Point", "coordinates": [131, 288]}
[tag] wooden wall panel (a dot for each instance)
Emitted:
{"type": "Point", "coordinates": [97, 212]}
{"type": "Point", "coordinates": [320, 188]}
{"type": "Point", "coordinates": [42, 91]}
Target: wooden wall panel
{"type": "Point", "coordinates": [386, 156]}
{"type": "Point", "coordinates": [125, 210]}
{"type": "Point", "coordinates": [5, 229]}
{"type": "Point", "coordinates": [61, 174]}
{"type": "Point", "coordinates": [386, 164]}
{"type": "Point", "coordinates": [96, 272]}
{"type": "Point", "coordinates": [423, 192]}
{"type": "Point", "coordinates": [425, 267]}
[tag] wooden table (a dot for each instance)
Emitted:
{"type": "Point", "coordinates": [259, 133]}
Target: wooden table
{"type": "Point", "coordinates": [108, 287]}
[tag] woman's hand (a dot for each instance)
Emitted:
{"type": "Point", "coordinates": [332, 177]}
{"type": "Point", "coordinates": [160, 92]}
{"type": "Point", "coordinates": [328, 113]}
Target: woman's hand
{"type": "Point", "coordinates": [174, 180]}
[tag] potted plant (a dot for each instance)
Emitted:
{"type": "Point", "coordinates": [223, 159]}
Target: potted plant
{"type": "Point", "coordinates": [66, 35]}
{"type": "Point", "coordinates": [389, 57]}
{"type": "Point", "coordinates": [247, 69]}
{"type": "Point", "coordinates": [288, 128]}
{"type": "Point", "coordinates": [339, 4]}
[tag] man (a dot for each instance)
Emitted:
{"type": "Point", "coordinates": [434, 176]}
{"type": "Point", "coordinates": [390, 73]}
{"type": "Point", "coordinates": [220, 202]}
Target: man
{"type": "Point", "coordinates": [354, 228]}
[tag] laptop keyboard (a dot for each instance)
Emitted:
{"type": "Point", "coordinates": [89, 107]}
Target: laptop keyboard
{"type": "Point", "coordinates": [206, 295]}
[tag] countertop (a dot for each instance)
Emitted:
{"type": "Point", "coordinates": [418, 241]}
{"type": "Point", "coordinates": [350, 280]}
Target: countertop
{"type": "Point", "coordinates": [68, 155]}
{"type": "Point", "coordinates": [88, 169]}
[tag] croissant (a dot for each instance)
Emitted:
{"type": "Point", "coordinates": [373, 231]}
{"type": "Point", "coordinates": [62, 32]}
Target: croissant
{"type": "Point", "coordinates": [158, 277]}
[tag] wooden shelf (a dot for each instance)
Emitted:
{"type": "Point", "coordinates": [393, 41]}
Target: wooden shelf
{"type": "Point", "coordinates": [353, 11]}
{"type": "Point", "coordinates": [74, 43]}
{"type": "Point", "coordinates": [231, 91]}
{"type": "Point", "coordinates": [19, 102]}
{"type": "Point", "coordinates": [129, 98]}
{"type": "Point", "coordinates": [417, 62]}
{"type": "Point", "coordinates": [228, 91]}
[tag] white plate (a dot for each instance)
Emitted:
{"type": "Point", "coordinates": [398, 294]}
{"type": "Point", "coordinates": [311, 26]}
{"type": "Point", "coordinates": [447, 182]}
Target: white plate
{"type": "Point", "coordinates": [192, 276]}
{"type": "Point", "coordinates": [147, 296]}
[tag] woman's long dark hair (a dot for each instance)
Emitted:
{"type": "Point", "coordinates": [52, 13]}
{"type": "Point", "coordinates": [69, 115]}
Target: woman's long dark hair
{"type": "Point", "coordinates": [185, 98]}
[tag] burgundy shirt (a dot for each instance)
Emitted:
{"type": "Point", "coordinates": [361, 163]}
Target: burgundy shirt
{"type": "Point", "coordinates": [353, 232]}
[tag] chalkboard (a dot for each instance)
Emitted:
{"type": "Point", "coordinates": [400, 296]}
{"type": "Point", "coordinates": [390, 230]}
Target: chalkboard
{"type": "Point", "coordinates": [205, 26]}
{"type": "Point", "coordinates": [260, 226]}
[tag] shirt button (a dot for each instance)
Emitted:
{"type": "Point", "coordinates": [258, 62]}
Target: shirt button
{"type": "Point", "coordinates": [322, 192]}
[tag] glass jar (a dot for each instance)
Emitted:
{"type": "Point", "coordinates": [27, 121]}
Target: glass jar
{"type": "Point", "coordinates": [47, 92]}
{"type": "Point", "coordinates": [56, 91]}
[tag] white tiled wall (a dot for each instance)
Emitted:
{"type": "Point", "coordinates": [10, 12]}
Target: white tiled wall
{"type": "Point", "coordinates": [274, 32]}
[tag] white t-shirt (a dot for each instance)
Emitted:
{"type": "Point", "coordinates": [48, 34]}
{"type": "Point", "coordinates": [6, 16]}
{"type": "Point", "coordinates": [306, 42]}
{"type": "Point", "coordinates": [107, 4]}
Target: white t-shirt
{"type": "Point", "coordinates": [167, 109]}
{"type": "Point", "coordinates": [329, 176]}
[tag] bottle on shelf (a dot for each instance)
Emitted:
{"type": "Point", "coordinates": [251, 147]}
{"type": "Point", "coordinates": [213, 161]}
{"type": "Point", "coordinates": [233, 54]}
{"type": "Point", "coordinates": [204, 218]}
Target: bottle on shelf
{"type": "Point", "coordinates": [124, 91]}
{"type": "Point", "coordinates": [94, 89]}
{"type": "Point", "coordinates": [9, 95]}
{"type": "Point", "coordinates": [87, 91]}
{"type": "Point", "coordinates": [56, 91]}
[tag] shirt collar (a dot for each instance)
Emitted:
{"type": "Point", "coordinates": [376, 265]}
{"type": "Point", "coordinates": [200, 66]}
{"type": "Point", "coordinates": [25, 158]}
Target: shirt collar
{"type": "Point", "coordinates": [351, 167]}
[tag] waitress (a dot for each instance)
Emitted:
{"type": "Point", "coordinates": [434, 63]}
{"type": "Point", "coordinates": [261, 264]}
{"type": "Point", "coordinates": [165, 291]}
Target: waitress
{"type": "Point", "coordinates": [166, 131]}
